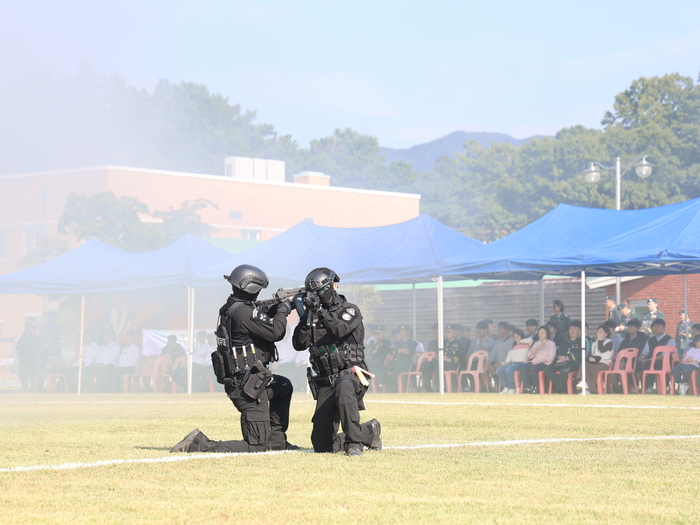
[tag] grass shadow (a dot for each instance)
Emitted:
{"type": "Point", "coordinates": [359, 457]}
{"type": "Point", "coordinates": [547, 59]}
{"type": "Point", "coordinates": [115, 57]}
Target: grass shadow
{"type": "Point", "coordinates": [153, 448]}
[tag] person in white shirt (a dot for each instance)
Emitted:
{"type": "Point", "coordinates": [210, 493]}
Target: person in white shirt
{"type": "Point", "coordinates": [90, 351]}
{"type": "Point", "coordinates": [201, 366]}
{"type": "Point", "coordinates": [106, 361]}
{"type": "Point", "coordinates": [201, 363]}
{"type": "Point", "coordinates": [129, 356]}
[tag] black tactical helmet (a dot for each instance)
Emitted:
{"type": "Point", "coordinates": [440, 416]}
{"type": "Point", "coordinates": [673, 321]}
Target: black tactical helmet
{"type": "Point", "coordinates": [247, 278]}
{"type": "Point", "coordinates": [320, 280]}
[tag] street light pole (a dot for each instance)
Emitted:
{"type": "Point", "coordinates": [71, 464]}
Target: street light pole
{"type": "Point", "coordinates": [643, 170]}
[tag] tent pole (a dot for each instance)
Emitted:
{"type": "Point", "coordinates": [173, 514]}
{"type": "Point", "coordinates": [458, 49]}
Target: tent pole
{"type": "Point", "coordinates": [583, 330]}
{"type": "Point", "coordinates": [685, 309]}
{"type": "Point", "coordinates": [80, 343]}
{"type": "Point", "coordinates": [441, 336]}
{"type": "Point", "coordinates": [415, 328]}
{"type": "Point", "coordinates": [190, 338]}
{"type": "Point", "coordinates": [542, 301]}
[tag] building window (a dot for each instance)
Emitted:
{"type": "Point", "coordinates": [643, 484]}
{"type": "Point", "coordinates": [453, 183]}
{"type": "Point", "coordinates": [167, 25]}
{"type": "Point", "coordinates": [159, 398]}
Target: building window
{"type": "Point", "coordinates": [250, 235]}
{"type": "Point", "coordinates": [309, 219]}
{"type": "Point", "coordinates": [31, 235]}
{"type": "Point", "coordinates": [235, 215]}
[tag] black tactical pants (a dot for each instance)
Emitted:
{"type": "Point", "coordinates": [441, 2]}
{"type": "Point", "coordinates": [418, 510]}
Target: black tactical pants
{"type": "Point", "coordinates": [263, 423]}
{"type": "Point", "coordinates": [339, 405]}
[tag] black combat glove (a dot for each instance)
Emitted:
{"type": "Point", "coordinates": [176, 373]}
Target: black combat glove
{"type": "Point", "coordinates": [285, 307]}
{"type": "Point", "coordinates": [228, 381]}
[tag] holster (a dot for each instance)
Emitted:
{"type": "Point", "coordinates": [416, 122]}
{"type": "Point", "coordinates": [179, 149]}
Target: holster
{"type": "Point", "coordinates": [312, 383]}
{"type": "Point", "coordinates": [257, 381]}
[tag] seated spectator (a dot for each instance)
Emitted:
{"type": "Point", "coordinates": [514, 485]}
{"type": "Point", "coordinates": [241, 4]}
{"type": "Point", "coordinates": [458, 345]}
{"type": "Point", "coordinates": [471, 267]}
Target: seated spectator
{"type": "Point", "coordinates": [482, 341]}
{"type": "Point", "coordinates": [560, 317]}
{"type": "Point", "coordinates": [541, 354]}
{"type": "Point", "coordinates": [556, 333]}
{"type": "Point", "coordinates": [378, 350]}
{"type": "Point", "coordinates": [531, 329]}
{"type": "Point", "coordinates": [515, 360]}
{"type": "Point", "coordinates": [616, 337]}
{"type": "Point", "coordinates": [682, 336]}
{"type": "Point", "coordinates": [598, 359]}
{"type": "Point", "coordinates": [659, 337]}
{"type": "Point", "coordinates": [401, 356]}
{"type": "Point", "coordinates": [691, 363]}
{"type": "Point", "coordinates": [634, 337]}
{"type": "Point", "coordinates": [501, 347]}
{"type": "Point", "coordinates": [466, 333]}
{"type": "Point", "coordinates": [173, 348]}
{"type": "Point", "coordinates": [201, 363]}
{"type": "Point", "coordinates": [568, 359]}
{"type": "Point", "coordinates": [105, 362]}
{"type": "Point", "coordinates": [128, 358]}
{"type": "Point", "coordinates": [90, 351]}
{"type": "Point", "coordinates": [454, 355]}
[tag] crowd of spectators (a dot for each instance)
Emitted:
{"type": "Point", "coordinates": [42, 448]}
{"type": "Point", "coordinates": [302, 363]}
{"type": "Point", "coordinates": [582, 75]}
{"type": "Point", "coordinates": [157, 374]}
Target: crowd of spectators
{"type": "Point", "coordinates": [105, 361]}
{"type": "Point", "coordinates": [516, 358]}
{"type": "Point", "coordinates": [555, 349]}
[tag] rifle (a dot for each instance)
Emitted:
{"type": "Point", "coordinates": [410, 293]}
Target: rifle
{"type": "Point", "coordinates": [281, 295]}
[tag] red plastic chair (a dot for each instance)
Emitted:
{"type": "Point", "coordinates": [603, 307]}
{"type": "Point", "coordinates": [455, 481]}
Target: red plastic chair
{"type": "Point", "coordinates": [425, 356]}
{"type": "Point", "coordinates": [54, 382]}
{"type": "Point", "coordinates": [545, 383]}
{"type": "Point", "coordinates": [157, 378]}
{"type": "Point", "coordinates": [482, 359]}
{"type": "Point", "coordinates": [604, 378]}
{"type": "Point", "coordinates": [664, 375]}
{"type": "Point", "coordinates": [132, 382]}
{"type": "Point", "coordinates": [180, 362]}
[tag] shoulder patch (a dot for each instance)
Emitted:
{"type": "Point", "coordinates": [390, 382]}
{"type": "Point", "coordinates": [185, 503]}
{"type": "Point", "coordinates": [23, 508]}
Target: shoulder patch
{"type": "Point", "coordinates": [346, 316]}
{"type": "Point", "coordinates": [351, 311]}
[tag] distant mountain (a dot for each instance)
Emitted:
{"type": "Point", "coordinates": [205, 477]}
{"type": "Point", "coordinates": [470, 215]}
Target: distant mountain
{"type": "Point", "coordinates": [423, 156]}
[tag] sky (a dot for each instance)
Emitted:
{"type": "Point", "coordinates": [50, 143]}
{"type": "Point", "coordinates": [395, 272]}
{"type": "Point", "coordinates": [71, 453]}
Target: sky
{"type": "Point", "coordinates": [406, 72]}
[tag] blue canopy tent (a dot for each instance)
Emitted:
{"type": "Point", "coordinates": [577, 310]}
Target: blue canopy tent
{"type": "Point", "coordinates": [653, 241]}
{"type": "Point", "coordinates": [574, 241]}
{"type": "Point", "coordinates": [95, 267]}
{"type": "Point", "coordinates": [408, 252]}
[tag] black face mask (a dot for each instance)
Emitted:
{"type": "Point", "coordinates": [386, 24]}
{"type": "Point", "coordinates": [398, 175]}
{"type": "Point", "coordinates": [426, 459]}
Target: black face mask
{"type": "Point", "coordinates": [326, 294]}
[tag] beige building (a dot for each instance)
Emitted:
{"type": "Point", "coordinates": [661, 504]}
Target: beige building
{"type": "Point", "coordinates": [254, 203]}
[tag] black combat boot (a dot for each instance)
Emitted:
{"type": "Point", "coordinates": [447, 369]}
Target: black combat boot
{"type": "Point", "coordinates": [376, 442]}
{"type": "Point", "coordinates": [189, 442]}
{"type": "Point", "coordinates": [354, 449]}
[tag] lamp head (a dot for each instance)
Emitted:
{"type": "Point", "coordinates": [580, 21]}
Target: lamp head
{"type": "Point", "coordinates": [643, 169]}
{"type": "Point", "coordinates": [592, 174]}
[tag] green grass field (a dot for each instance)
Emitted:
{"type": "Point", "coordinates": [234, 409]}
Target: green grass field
{"type": "Point", "coordinates": [608, 481]}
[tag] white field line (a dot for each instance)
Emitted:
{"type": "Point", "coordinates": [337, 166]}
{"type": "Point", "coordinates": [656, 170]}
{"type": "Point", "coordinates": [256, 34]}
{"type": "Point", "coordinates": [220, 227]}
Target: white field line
{"type": "Point", "coordinates": [532, 405]}
{"type": "Point", "coordinates": [190, 457]}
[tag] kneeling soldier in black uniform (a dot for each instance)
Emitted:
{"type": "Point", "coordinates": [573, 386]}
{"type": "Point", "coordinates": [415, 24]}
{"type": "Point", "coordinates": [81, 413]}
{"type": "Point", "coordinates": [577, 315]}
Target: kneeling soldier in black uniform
{"type": "Point", "coordinates": [246, 339]}
{"type": "Point", "coordinates": [334, 335]}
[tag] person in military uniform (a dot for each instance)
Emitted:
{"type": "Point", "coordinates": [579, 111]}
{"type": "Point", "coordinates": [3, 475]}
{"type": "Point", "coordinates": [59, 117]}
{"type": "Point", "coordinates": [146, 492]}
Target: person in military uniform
{"type": "Point", "coordinates": [568, 359]}
{"type": "Point", "coordinates": [377, 352]}
{"type": "Point", "coordinates": [401, 357]}
{"type": "Point", "coordinates": [626, 315]}
{"type": "Point", "coordinates": [333, 332]}
{"type": "Point", "coordinates": [652, 315]}
{"type": "Point", "coordinates": [614, 313]}
{"type": "Point", "coordinates": [560, 317]}
{"type": "Point", "coordinates": [454, 356]}
{"type": "Point", "coordinates": [246, 339]}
